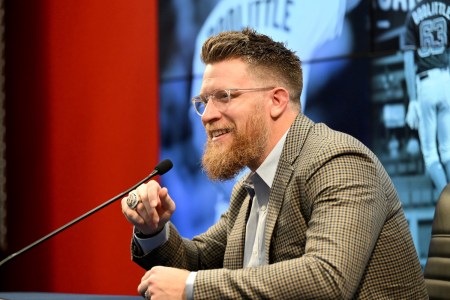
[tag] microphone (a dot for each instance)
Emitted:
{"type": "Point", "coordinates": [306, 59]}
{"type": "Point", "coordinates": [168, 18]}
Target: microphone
{"type": "Point", "coordinates": [160, 169]}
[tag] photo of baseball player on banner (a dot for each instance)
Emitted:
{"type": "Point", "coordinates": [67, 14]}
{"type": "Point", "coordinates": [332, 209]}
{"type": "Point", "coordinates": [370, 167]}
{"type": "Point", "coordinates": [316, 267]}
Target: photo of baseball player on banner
{"type": "Point", "coordinates": [411, 97]}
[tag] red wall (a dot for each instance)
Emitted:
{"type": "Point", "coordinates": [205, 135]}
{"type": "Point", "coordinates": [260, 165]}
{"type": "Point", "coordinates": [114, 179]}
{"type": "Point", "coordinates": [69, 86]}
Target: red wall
{"type": "Point", "coordinates": [82, 126]}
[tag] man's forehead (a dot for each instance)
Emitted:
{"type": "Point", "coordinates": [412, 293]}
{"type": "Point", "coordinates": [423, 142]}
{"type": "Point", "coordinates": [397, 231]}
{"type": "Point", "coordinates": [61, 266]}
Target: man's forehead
{"type": "Point", "coordinates": [225, 75]}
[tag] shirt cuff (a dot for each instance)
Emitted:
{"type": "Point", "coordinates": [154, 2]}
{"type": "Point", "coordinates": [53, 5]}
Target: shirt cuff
{"type": "Point", "coordinates": [190, 285]}
{"type": "Point", "coordinates": [148, 244]}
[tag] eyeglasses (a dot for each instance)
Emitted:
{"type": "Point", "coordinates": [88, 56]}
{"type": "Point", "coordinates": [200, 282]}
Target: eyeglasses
{"type": "Point", "coordinates": [220, 98]}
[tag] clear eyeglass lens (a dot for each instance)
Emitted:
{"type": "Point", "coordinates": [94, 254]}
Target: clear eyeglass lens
{"type": "Point", "coordinates": [219, 97]}
{"type": "Point", "coordinates": [199, 105]}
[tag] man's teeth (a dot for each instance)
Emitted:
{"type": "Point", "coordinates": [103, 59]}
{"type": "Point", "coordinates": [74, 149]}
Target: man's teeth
{"type": "Point", "coordinates": [219, 132]}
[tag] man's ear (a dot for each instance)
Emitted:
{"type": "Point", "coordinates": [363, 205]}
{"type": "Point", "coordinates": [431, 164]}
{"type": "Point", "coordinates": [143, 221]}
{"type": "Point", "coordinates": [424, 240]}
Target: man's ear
{"type": "Point", "coordinates": [280, 102]}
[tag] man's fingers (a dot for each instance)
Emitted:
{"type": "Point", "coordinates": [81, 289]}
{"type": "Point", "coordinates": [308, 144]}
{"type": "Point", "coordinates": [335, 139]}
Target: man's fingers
{"type": "Point", "coordinates": [143, 212]}
{"type": "Point", "coordinates": [167, 204]}
{"type": "Point", "coordinates": [131, 214]}
{"type": "Point", "coordinates": [154, 209]}
{"type": "Point", "coordinates": [143, 286]}
{"type": "Point", "coordinates": [143, 208]}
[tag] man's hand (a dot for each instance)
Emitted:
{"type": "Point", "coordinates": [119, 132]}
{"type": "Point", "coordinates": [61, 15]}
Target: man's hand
{"type": "Point", "coordinates": [413, 115]}
{"type": "Point", "coordinates": [164, 283]}
{"type": "Point", "coordinates": [153, 211]}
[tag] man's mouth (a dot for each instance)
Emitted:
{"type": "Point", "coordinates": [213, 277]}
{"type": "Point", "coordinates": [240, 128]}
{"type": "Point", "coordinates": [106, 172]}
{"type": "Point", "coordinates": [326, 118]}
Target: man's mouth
{"type": "Point", "coordinates": [215, 134]}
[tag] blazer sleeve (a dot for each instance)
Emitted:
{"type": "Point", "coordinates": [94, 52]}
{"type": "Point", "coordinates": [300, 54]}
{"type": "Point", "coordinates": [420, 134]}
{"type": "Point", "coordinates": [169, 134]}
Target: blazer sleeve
{"type": "Point", "coordinates": [205, 251]}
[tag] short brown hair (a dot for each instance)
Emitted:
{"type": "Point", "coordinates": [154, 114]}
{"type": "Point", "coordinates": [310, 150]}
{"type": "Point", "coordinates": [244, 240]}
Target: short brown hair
{"type": "Point", "coordinates": [272, 60]}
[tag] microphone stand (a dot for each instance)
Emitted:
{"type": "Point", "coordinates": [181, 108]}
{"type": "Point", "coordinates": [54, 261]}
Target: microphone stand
{"type": "Point", "coordinates": [82, 217]}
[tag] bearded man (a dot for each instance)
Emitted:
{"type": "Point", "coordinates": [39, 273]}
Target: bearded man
{"type": "Point", "coordinates": [316, 217]}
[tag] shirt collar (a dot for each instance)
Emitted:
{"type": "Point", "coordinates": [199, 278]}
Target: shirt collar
{"type": "Point", "coordinates": [265, 174]}
{"type": "Point", "coordinates": [268, 168]}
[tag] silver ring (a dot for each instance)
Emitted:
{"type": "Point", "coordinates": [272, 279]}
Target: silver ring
{"type": "Point", "coordinates": [147, 295]}
{"type": "Point", "coordinates": [133, 199]}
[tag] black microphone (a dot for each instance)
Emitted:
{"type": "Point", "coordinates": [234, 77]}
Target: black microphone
{"type": "Point", "coordinates": [162, 168]}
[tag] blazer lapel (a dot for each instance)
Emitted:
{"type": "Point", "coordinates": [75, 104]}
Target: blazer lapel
{"type": "Point", "coordinates": [294, 142]}
{"type": "Point", "coordinates": [234, 252]}
{"type": "Point", "coordinates": [282, 177]}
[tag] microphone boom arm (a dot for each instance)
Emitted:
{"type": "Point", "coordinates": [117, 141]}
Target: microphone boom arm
{"type": "Point", "coordinates": [166, 165]}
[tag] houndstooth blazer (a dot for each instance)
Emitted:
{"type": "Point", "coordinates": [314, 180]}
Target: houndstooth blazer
{"type": "Point", "coordinates": [335, 230]}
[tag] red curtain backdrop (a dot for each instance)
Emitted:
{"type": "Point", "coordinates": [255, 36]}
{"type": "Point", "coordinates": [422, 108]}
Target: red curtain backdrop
{"type": "Point", "coordinates": [82, 126]}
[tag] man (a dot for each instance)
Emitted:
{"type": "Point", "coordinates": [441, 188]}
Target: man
{"type": "Point", "coordinates": [317, 217]}
{"type": "Point", "coordinates": [426, 44]}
